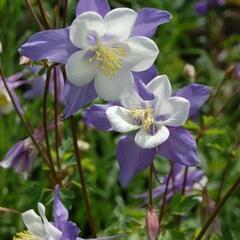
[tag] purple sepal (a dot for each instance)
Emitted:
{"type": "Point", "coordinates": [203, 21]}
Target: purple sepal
{"type": "Point", "coordinates": [146, 76]}
{"type": "Point", "coordinates": [77, 97]}
{"type": "Point", "coordinates": [196, 94]}
{"type": "Point", "coordinates": [100, 6]}
{"type": "Point", "coordinates": [143, 92]}
{"type": "Point", "coordinates": [132, 159]}
{"type": "Point", "coordinates": [69, 229]}
{"type": "Point", "coordinates": [180, 147]}
{"type": "Point", "coordinates": [96, 117]}
{"type": "Point", "coordinates": [53, 45]}
{"type": "Point", "coordinates": [148, 20]}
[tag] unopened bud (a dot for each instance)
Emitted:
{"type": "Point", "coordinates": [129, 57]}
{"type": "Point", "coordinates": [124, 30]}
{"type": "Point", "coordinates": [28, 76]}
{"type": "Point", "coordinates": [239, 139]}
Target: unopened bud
{"type": "Point", "coordinates": [0, 47]}
{"type": "Point", "coordinates": [190, 71]}
{"type": "Point", "coordinates": [152, 223]}
{"type": "Point", "coordinates": [83, 146]}
{"type": "Point", "coordinates": [24, 60]}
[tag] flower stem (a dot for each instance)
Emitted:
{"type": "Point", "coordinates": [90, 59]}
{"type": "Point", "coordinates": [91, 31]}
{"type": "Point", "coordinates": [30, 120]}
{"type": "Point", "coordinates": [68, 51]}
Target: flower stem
{"type": "Point", "coordinates": [65, 13]}
{"type": "Point", "coordinates": [82, 178]}
{"type": "Point", "coordinates": [56, 108]}
{"type": "Point", "coordinates": [24, 122]}
{"type": "Point", "coordinates": [219, 206]}
{"type": "Point", "coordinates": [150, 200]}
{"type": "Point", "coordinates": [184, 181]}
{"type": "Point", "coordinates": [29, 6]}
{"type": "Point", "coordinates": [161, 214]}
{"type": "Point", "coordinates": [9, 210]}
{"type": "Point", "coordinates": [44, 15]}
{"type": "Point", "coordinates": [45, 123]}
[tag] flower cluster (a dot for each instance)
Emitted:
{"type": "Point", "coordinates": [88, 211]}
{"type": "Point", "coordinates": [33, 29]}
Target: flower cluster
{"type": "Point", "coordinates": [108, 54]}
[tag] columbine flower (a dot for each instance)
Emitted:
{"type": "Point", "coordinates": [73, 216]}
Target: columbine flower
{"type": "Point", "coordinates": [109, 53]}
{"type": "Point", "coordinates": [150, 117]}
{"type": "Point", "coordinates": [157, 117]}
{"type": "Point", "coordinates": [39, 228]}
{"type": "Point", "coordinates": [13, 82]}
{"type": "Point", "coordinates": [20, 157]}
{"type": "Point", "coordinates": [23, 154]}
{"type": "Point", "coordinates": [203, 6]}
{"type": "Point", "coordinates": [62, 46]}
{"type": "Point", "coordinates": [195, 179]}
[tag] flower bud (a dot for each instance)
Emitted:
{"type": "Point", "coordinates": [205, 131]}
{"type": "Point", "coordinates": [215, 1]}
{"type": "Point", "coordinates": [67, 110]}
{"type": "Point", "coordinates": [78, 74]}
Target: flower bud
{"type": "Point", "coordinates": [152, 224]}
{"type": "Point", "coordinates": [190, 71]}
{"type": "Point", "coordinates": [0, 47]}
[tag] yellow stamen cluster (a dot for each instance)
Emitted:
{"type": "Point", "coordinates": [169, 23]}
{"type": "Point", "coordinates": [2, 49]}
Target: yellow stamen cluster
{"type": "Point", "coordinates": [145, 116]}
{"type": "Point", "coordinates": [25, 236]}
{"type": "Point", "coordinates": [109, 58]}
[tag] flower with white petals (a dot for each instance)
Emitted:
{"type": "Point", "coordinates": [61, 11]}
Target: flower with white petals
{"type": "Point", "coordinates": [108, 52]}
{"type": "Point", "coordinates": [150, 118]}
{"type": "Point", "coordinates": [39, 228]}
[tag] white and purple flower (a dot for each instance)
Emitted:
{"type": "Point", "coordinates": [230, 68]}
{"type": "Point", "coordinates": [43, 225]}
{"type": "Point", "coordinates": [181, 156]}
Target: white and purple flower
{"type": "Point", "coordinates": [100, 44]}
{"type": "Point", "coordinates": [155, 117]}
{"type": "Point", "coordinates": [108, 52]}
{"type": "Point", "coordinates": [39, 228]}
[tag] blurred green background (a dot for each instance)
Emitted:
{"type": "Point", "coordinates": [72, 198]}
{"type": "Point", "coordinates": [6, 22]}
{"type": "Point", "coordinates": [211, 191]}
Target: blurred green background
{"type": "Point", "coordinates": [211, 43]}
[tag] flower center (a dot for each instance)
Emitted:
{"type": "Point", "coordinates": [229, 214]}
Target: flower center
{"type": "Point", "coordinates": [25, 236]}
{"type": "Point", "coordinates": [145, 116]}
{"type": "Point", "coordinates": [109, 58]}
{"type": "Point", "coordinates": [4, 99]}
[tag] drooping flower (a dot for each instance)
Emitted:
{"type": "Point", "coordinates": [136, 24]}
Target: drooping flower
{"type": "Point", "coordinates": [23, 154]}
{"type": "Point", "coordinates": [20, 157]}
{"type": "Point", "coordinates": [195, 179]}
{"type": "Point", "coordinates": [157, 115]}
{"type": "Point", "coordinates": [13, 82]}
{"type": "Point", "coordinates": [203, 6]}
{"type": "Point", "coordinates": [39, 228]}
{"type": "Point", "coordinates": [99, 36]}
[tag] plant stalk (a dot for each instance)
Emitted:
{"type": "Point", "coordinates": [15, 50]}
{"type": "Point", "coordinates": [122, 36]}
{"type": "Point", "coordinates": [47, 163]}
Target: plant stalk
{"type": "Point", "coordinates": [82, 178]}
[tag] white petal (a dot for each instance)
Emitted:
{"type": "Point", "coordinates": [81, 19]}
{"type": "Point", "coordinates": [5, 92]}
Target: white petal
{"type": "Point", "coordinates": [178, 110]}
{"type": "Point", "coordinates": [88, 23]}
{"type": "Point", "coordinates": [119, 22]}
{"type": "Point", "coordinates": [121, 119]}
{"type": "Point", "coordinates": [51, 231]}
{"type": "Point", "coordinates": [160, 86]}
{"type": "Point", "coordinates": [115, 88]}
{"type": "Point", "coordinates": [133, 100]}
{"type": "Point", "coordinates": [80, 71]}
{"type": "Point", "coordinates": [147, 141]}
{"type": "Point", "coordinates": [33, 223]}
{"type": "Point", "coordinates": [142, 53]}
